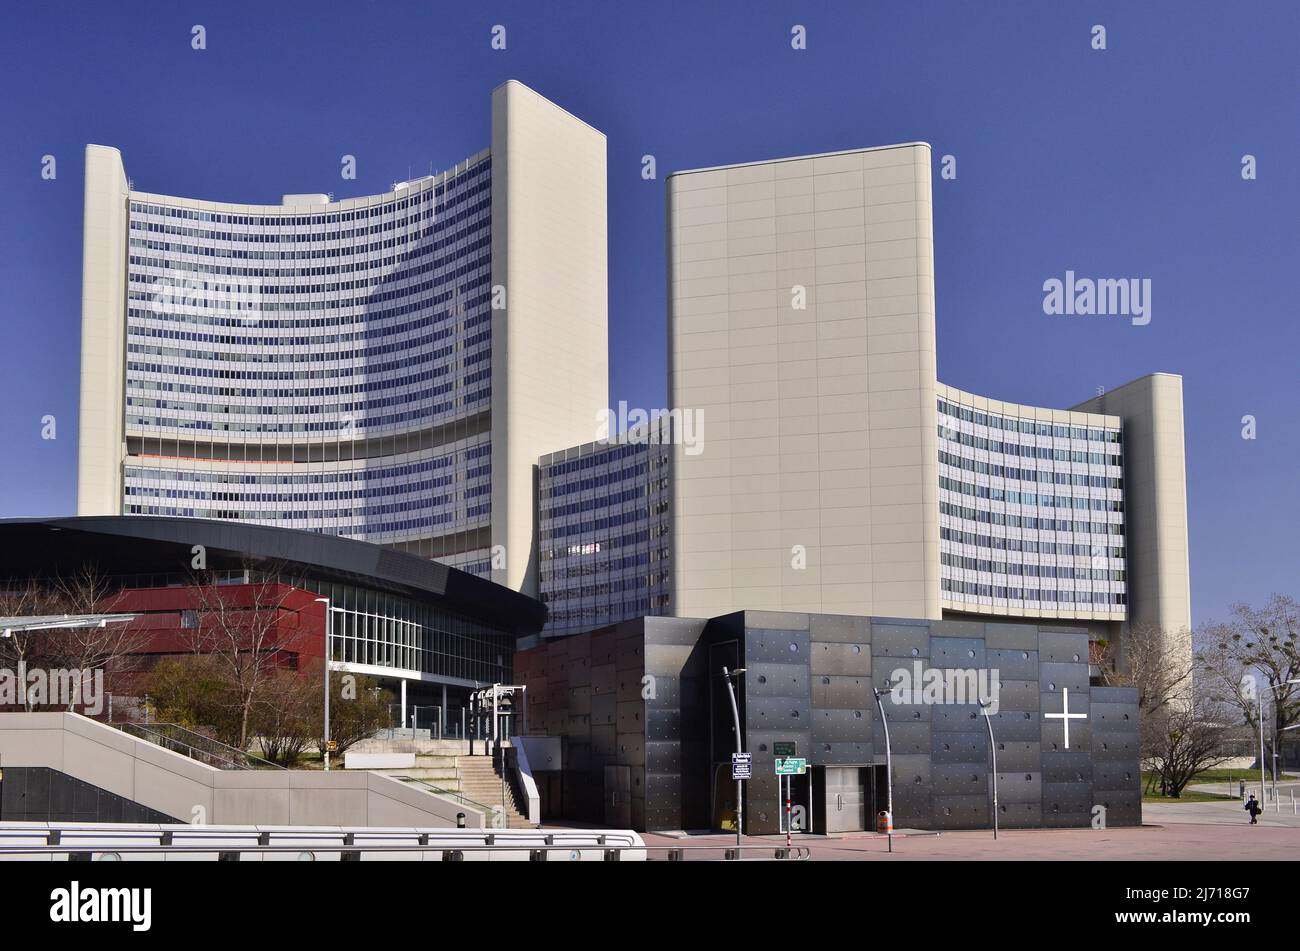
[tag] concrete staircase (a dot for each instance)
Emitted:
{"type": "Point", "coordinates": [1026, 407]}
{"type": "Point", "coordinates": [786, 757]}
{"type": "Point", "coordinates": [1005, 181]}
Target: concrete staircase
{"type": "Point", "coordinates": [447, 765]}
{"type": "Point", "coordinates": [480, 781]}
{"type": "Point", "coordinates": [436, 769]}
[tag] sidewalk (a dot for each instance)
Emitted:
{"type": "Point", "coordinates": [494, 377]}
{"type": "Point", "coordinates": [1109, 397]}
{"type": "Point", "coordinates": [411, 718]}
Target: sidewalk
{"type": "Point", "coordinates": [1191, 840]}
{"type": "Point", "coordinates": [1227, 812]}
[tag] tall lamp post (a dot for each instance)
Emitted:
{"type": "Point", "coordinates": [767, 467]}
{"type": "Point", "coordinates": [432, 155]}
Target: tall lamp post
{"type": "Point", "coordinates": [329, 643]}
{"type": "Point", "coordinates": [728, 676]}
{"type": "Point", "coordinates": [889, 768]}
{"type": "Point", "coordinates": [1260, 701]}
{"type": "Point", "coordinates": [988, 721]}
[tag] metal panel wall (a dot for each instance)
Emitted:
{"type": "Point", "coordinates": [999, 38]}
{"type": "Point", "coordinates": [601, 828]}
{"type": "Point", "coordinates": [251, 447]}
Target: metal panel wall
{"type": "Point", "coordinates": [809, 680]}
{"type": "Point", "coordinates": [643, 695]}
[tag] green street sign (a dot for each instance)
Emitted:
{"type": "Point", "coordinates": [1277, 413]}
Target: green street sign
{"type": "Point", "coordinates": [784, 748]}
{"type": "Point", "coordinates": [791, 766]}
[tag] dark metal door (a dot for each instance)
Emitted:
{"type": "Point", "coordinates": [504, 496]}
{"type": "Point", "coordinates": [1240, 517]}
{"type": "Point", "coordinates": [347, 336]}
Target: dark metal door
{"type": "Point", "coordinates": [618, 797]}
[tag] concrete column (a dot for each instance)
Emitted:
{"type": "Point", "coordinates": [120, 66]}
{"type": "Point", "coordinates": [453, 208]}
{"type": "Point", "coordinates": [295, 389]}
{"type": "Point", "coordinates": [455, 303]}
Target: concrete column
{"type": "Point", "coordinates": [101, 443]}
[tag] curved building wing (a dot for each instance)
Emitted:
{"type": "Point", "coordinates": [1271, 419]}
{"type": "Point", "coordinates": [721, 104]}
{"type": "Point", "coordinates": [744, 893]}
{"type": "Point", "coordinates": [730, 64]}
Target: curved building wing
{"type": "Point", "coordinates": [385, 367]}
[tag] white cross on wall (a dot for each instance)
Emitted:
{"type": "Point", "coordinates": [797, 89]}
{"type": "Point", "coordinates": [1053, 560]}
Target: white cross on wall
{"type": "Point", "coordinates": [1065, 716]}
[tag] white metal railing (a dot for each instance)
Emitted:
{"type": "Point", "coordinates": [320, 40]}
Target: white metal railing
{"type": "Point", "coordinates": [121, 842]}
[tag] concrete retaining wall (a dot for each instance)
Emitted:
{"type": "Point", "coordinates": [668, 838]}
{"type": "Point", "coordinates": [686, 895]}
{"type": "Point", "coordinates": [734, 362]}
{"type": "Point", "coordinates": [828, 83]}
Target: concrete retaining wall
{"type": "Point", "coordinates": [190, 791]}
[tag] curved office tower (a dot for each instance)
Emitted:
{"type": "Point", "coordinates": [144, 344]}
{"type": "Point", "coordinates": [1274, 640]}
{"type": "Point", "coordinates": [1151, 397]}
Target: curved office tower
{"type": "Point", "coordinates": [1031, 510]}
{"type": "Point", "coordinates": [836, 474]}
{"type": "Point", "coordinates": [386, 367]}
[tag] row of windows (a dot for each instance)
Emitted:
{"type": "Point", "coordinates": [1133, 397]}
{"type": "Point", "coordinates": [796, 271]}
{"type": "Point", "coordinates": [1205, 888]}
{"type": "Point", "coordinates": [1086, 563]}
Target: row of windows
{"type": "Point", "coordinates": [603, 587]}
{"type": "Point", "coordinates": [1026, 426]}
{"type": "Point", "coordinates": [1033, 546]}
{"type": "Point", "coordinates": [967, 464]}
{"type": "Point", "coordinates": [1031, 571]}
{"type": "Point", "coordinates": [1042, 596]}
{"type": "Point", "coordinates": [1031, 452]}
{"type": "Point", "coordinates": [335, 519]}
{"type": "Point", "coordinates": [608, 456]}
{"type": "Point", "coordinates": [346, 426]}
{"type": "Point", "coordinates": [447, 249]}
{"type": "Point", "coordinates": [1030, 521]}
{"type": "Point", "coordinates": [1011, 496]}
{"type": "Point", "coordinates": [602, 562]}
{"type": "Point", "coordinates": [636, 493]}
{"type": "Point", "coordinates": [610, 566]}
{"type": "Point", "coordinates": [577, 619]}
{"type": "Point", "coordinates": [426, 194]}
{"type": "Point", "coordinates": [437, 323]}
{"type": "Point", "coordinates": [481, 454]}
{"type": "Point", "coordinates": [368, 353]}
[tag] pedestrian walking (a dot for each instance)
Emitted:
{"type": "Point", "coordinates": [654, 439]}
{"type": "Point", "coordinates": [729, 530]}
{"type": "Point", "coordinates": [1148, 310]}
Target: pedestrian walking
{"type": "Point", "coordinates": [1253, 807]}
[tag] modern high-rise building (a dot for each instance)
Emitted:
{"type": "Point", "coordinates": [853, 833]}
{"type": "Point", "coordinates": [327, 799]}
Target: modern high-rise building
{"type": "Point", "coordinates": [837, 474]}
{"type": "Point", "coordinates": [603, 523]}
{"type": "Point", "coordinates": [387, 367]}
{"type": "Point", "coordinates": [834, 473]}
{"type": "Point", "coordinates": [841, 528]}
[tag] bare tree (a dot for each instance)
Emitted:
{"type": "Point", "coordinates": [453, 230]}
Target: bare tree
{"type": "Point", "coordinates": [112, 648]}
{"type": "Point", "coordinates": [287, 716]}
{"type": "Point", "coordinates": [238, 626]}
{"type": "Point", "coordinates": [1185, 744]}
{"type": "Point", "coordinates": [358, 708]}
{"type": "Point", "coordinates": [1257, 648]}
{"type": "Point", "coordinates": [1162, 678]}
{"type": "Point", "coordinates": [21, 598]}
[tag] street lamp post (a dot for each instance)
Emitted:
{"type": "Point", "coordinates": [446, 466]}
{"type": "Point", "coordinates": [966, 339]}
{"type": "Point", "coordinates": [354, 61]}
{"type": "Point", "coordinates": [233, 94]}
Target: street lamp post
{"type": "Point", "coordinates": [1260, 712]}
{"type": "Point", "coordinates": [329, 643]}
{"type": "Point", "coordinates": [727, 675]}
{"type": "Point", "coordinates": [889, 768]}
{"type": "Point", "coordinates": [988, 721]}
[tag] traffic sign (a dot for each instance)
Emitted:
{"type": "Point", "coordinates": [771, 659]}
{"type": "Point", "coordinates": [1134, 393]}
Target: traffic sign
{"type": "Point", "coordinates": [791, 766]}
{"type": "Point", "coordinates": [742, 766]}
{"type": "Point", "coordinates": [784, 748]}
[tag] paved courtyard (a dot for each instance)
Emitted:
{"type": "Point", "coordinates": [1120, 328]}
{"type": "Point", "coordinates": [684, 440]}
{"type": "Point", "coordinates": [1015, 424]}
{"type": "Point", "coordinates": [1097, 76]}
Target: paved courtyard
{"type": "Point", "coordinates": [1177, 836]}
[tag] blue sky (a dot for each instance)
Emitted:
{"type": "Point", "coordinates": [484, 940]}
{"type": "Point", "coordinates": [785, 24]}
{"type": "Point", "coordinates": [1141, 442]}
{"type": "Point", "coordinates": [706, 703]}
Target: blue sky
{"type": "Point", "coordinates": [1118, 163]}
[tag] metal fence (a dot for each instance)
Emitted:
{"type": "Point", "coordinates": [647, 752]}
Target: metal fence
{"type": "Point", "coordinates": [50, 842]}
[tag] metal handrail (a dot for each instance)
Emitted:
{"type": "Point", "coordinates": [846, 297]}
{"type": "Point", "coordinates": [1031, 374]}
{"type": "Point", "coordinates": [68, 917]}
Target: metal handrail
{"type": "Point", "coordinates": [450, 794]}
{"type": "Point", "coordinates": [452, 844]}
{"type": "Point", "coordinates": [235, 758]}
{"type": "Point", "coordinates": [536, 852]}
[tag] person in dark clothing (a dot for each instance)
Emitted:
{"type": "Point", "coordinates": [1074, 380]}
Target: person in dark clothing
{"type": "Point", "coordinates": [1253, 807]}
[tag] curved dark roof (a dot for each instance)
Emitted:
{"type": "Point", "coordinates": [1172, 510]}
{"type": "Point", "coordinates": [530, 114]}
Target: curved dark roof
{"type": "Point", "coordinates": [142, 544]}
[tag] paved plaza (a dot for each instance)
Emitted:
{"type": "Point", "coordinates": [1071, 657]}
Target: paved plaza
{"type": "Point", "coordinates": [1190, 832]}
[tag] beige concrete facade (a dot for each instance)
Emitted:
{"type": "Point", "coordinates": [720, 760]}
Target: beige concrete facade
{"type": "Point", "coordinates": [1156, 495]}
{"type": "Point", "coordinates": [802, 329]}
{"type": "Point", "coordinates": [550, 359]}
{"type": "Point", "coordinates": [801, 305]}
{"type": "Point", "coordinates": [101, 441]}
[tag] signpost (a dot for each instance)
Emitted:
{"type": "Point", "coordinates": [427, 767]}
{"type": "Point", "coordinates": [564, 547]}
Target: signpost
{"type": "Point", "coordinates": [742, 766]}
{"type": "Point", "coordinates": [784, 748]}
{"type": "Point", "coordinates": [788, 766]}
